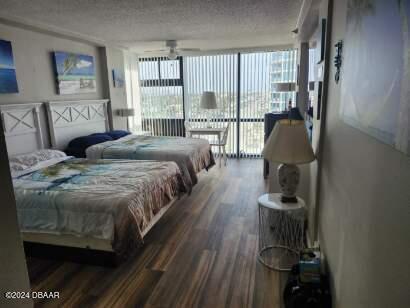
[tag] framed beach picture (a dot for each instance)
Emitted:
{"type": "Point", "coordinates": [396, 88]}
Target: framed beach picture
{"type": "Point", "coordinates": [118, 78]}
{"type": "Point", "coordinates": [376, 72]}
{"type": "Point", "coordinates": [8, 79]}
{"type": "Point", "coordinates": [75, 73]}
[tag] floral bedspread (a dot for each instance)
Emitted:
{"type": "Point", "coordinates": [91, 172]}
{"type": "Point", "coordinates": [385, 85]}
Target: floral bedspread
{"type": "Point", "coordinates": [191, 154]}
{"type": "Point", "coordinates": [107, 199]}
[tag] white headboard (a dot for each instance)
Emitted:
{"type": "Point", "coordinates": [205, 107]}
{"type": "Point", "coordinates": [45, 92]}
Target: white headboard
{"type": "Point", "coordinates": [70, 119]}
{"type": "Point", "coordinates": [22, 129]}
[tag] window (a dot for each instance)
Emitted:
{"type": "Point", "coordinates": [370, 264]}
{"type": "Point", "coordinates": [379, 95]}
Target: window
{"type": "Point", "coordinates": [162, 109]}
{"type": "Point", "coordinates": [160, 72]}
{"type": "Point", "coordinates": [171, 92]}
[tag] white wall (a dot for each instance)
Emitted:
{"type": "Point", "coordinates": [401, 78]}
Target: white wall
{"type": "Point", "coordinates": [364, 210]}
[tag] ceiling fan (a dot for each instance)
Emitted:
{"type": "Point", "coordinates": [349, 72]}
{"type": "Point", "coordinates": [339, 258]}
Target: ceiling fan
{"type": "Point", "coordinates": [172, 49]}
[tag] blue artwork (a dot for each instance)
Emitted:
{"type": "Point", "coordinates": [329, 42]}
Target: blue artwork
{"type": "Point", "coordinates": [376, 70]}
{"type": "Point", "coordinates": [75, 73]}
{"type": "Point", "coordinates": [118, 78]}
{"type": "Point", "coordinates": [8, 80]}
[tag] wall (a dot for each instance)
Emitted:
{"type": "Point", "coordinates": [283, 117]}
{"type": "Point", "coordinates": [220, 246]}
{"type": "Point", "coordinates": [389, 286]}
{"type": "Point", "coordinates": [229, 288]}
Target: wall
{"type": "Point", "coordinates": [118, 96]}
{"type": "Point", "coordinates": [35, 74]}
{"type": "Point", "coordinates": [364, 208]}
{"type": "Point", "coordinates": [34, 65]}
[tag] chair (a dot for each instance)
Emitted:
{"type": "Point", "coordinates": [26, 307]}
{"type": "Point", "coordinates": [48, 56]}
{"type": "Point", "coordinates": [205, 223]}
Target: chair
{"type": "Point", "coordinates": [222, 143]}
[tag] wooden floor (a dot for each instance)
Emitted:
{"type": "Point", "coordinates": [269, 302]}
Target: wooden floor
{"type": "Point", "coordinates": [202, 253]}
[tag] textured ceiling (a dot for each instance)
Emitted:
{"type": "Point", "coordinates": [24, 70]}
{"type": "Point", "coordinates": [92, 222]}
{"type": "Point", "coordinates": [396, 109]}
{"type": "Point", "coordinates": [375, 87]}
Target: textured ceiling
{"type": "Point", "coordinates": [145, 24]}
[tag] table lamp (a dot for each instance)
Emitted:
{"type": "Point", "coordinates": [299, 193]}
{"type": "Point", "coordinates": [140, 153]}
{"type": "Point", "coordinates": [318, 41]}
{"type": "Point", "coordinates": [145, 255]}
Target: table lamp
{"type": "Point", "coordinates": [289, 145]}
{"type": "Point", "coordinates": [208, 102]}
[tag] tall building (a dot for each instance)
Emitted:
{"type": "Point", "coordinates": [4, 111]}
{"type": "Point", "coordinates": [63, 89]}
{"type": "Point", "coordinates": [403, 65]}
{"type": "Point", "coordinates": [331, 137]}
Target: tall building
{"type": "Point", "coordinates": [283, 69]}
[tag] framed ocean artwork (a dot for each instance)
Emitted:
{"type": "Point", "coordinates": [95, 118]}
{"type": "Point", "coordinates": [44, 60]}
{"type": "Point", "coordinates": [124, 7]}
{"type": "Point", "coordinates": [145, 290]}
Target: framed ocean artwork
{"type": "Point", "coordinates": [375, 77]}
{"type": "Point", "coordinates": [118, 78]}
{"type": "Point", "coordinates": [75, 73]}
{"type": "Point", "coordinates": [8, 79]}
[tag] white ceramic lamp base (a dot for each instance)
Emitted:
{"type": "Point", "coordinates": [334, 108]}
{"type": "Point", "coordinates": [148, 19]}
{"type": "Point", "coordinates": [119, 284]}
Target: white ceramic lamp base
{"type": "Point", "coordinates": [288, 177]}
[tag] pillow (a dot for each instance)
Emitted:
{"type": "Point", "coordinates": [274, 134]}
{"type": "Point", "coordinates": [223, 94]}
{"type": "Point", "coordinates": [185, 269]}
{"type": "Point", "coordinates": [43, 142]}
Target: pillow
{"type": "Point", "coordinates": [14, 167]}
{"type": "Point", "coordinates": [32, 159]}
{"type": "Point", "coordinates": [117, 134]}
{"type": "Point", "coordinates": [80, 144]}
{"type": "Point", "coordinates": [100, 134]}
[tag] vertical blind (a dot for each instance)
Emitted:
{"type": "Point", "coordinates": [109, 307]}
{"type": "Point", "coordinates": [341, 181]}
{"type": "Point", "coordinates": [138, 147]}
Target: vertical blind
{"type": "Point", "coordinates": [217, 73]}
{"type": "Point", "coordinates": [161, 96]}
{"type": "Point", "coordinates": [255, 100]}
{"type": "Point", "coordinates": [171, 91]}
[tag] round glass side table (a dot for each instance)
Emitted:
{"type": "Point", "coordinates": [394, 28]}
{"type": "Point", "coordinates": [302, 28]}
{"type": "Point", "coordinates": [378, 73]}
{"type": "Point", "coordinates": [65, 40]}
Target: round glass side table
{"type": "Point", "coordinates": [281, 231]}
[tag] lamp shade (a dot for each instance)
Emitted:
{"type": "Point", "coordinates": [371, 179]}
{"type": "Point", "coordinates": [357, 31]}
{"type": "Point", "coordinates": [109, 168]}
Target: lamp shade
{"type": "Point", "coordinates": [208, 100]}
{"type": "Point", "coordinates": [284, 86]}
{"type": "Point", "coordinates": [288, 143]}
{"type": "Point", "coordinates": [127, 112]}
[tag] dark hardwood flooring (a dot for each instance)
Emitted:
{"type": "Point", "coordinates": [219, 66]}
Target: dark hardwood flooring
{"type": "Point", "coordinates": [202, 253]}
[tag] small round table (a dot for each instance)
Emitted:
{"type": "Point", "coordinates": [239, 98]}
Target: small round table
{"type": "Point", "coordinates": [281, 231]}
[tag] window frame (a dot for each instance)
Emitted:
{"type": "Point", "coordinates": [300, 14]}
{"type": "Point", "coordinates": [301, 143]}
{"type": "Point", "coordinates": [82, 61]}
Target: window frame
{"type": "Point", "coordinates": [174, 82]}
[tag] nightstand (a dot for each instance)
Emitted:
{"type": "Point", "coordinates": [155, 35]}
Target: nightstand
{"type": "Point", "coordinates": [281, 231]}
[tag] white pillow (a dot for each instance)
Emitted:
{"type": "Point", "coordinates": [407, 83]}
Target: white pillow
{"type": "Point", "coordinates": [32, 159]}
{"type": "Point", "coordinates": [14, 167]}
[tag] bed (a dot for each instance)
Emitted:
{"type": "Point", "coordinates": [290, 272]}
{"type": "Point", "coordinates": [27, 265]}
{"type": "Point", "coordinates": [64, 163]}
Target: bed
{"type": "Point", "coordinates": [191, 154]}
{"type": "Point", "coordinates": [104, 205]}
{"type": "Point", "coordinates": [111, 201]}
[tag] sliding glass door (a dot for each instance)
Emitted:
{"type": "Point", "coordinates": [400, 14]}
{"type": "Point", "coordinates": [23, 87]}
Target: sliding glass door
{"type": "Point", "coordinates": [243, 84]}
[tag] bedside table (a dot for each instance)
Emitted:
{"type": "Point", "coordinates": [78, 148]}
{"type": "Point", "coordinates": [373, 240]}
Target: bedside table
{"type": "Point", "coordinates": [281, 231]}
